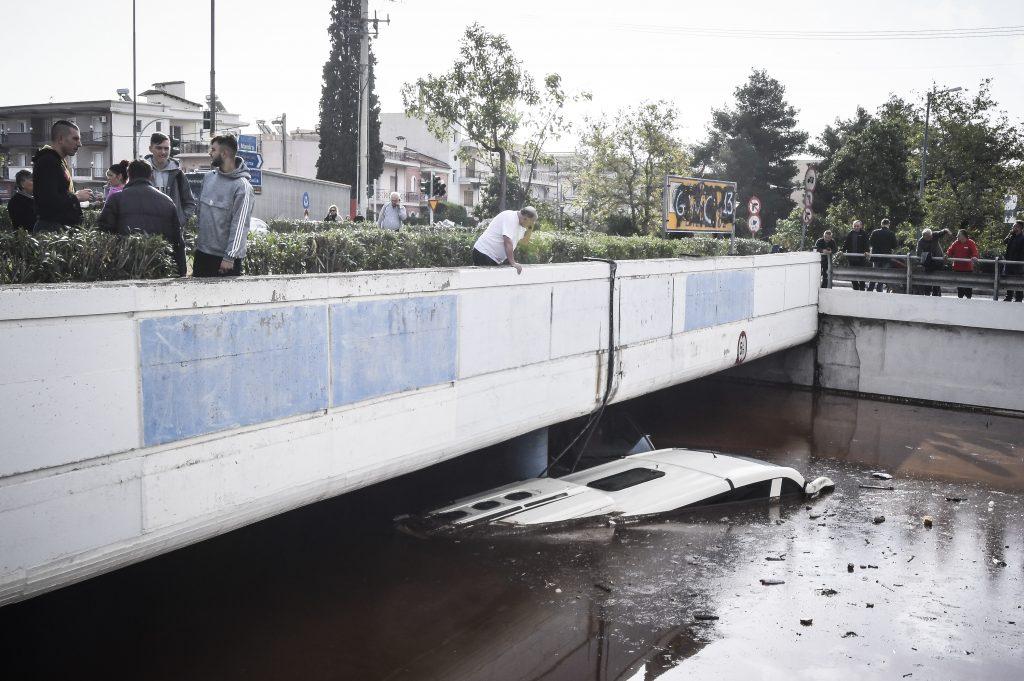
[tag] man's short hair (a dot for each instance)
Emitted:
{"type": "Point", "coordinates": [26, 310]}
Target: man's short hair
{"type": "Point", "coordinates": [139, 170]}
{"type": "Point", "coordinates": [157, 138]}
{"type": "Point", "coordinates": [858, 222]}
{"type": "Point", "coordinates": [21, 176]}
{"type": "Point", "coordinates": [395, 195]}
{"type": "Point", "coordinates": [226, 141]}
{"type": "Point", "coordinates": [885, 222]}
{"type": "Point", "coordinates": [828, 232]}
{"type": "Point", "coordinates": [528, 211]}
{"type": "Point", "coordinates": [61, 128]}
{"type": "Point", "coordinates": [926, 232]}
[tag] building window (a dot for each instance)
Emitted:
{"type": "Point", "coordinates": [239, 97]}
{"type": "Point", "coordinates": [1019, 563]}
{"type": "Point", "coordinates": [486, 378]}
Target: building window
{"type": "Point", "coordinates": [158, 125]}
{"type": "Point", "coordinates": [138, 125]}
{"type": "Point", "coordinates": [21, 160]}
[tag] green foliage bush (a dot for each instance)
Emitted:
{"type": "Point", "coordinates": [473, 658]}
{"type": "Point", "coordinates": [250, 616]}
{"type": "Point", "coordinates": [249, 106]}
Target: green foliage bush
{"type": "Point", "coordinates": [301, 247]}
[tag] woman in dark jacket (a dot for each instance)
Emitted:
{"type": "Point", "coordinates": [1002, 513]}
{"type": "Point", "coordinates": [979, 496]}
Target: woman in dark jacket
{"type": "Point", "coordinates": [1014, 251]}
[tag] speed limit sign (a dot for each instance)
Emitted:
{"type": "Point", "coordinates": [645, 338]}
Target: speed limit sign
{"type": "Point", "coordinates": [754, 223]}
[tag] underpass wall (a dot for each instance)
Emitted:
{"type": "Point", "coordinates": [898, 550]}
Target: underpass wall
{"type": "Point", "coordinates": [142, 416]}
{"type": "Point", "coordinates": [921, 348]}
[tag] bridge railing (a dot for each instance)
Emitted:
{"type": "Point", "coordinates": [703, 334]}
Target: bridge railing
{"type": "Point", "coordinates": [902, 277]}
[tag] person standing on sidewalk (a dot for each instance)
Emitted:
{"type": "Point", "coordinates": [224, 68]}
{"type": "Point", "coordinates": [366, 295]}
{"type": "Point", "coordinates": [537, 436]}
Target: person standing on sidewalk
{"type": "Point", "coordinates": [497, 245]}
{"type": "Point", "coordinates": [58, 205]}
{"type": "Point", "coordinates": [930, 254]}
{"type": "Point", "coordinates": [393, 214]}
{"type": "Point", "coordinates": [1014, 251]}
{"type": "Point", "coordinates": [224, 212]}
{"type": "Point", "coordinates": [963, 247]}
{"type": "Point", "coordinates": [883, 242]}
{"type": "Point", "coordinates": [826, 245]}
{"type": "Point", "coordinates": [169, 178]}
{"type": "Point", "coordinates": [856, 247]}
{"type": "Point", "coordinates": [22, 207]}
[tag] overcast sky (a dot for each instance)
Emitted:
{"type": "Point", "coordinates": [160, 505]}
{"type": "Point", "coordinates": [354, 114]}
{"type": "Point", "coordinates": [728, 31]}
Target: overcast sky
{"type": "Point", "coordinates": [270, 54]}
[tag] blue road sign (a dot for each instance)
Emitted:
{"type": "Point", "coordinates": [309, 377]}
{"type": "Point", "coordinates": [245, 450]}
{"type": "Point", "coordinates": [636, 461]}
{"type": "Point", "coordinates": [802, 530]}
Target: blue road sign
{"type": "Point", "coordinates": [248, 143]}
{"type": "Point", "coordinates": [251, 158]}
{"type": "Point", "coordinates": [256, 178]}
{"type": "Point", "coordinates": [305, 200]}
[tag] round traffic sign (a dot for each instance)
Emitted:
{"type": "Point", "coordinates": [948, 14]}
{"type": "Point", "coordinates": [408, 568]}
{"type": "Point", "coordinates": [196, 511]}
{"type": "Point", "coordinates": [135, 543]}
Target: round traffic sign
{"type": "Point", "coordinates": [810, 178]}
{"type": "Point", "coordinates": [808, 199]}
{"type": "Point", "coordinates": [808, 216]}
{"type": "Point", "coordinates": [754, 205]}
{"type": "Point", "coordinates": [305, 200]}
{"type": "Point", "coordinates": [754, 223]}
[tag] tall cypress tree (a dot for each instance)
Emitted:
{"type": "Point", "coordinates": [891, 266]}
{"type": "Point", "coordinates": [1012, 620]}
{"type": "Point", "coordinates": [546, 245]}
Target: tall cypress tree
{"type": "Point", "coordinates": [339, 102]}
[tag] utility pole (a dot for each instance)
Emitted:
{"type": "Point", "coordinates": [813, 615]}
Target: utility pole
{"type": "Point", "coordinates": [558, 193]}
{"type": "Point", "coordinates": [135, 96]}
{"type": "Point", "coordinates": [430, 196]}
{"type": "Point", "coordinates": [283, 122]}
{"type": "Point", "coordinates": [213, 73]}
{"type": "Point", "coordinates": [364, 106]}
{"type": "Point", "coordinates": [924, 142]}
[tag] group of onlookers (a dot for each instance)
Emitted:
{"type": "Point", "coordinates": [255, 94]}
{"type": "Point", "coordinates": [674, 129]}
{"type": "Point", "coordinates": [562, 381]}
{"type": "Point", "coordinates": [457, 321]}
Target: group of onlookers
{"type": "Point", "coordinates": [863, 249]}
{"type": "Point", "coordinates": [148, 196]}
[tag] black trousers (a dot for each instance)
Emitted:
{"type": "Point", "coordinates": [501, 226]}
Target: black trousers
{"type": "Point", "coordinates": [1014, 295]}
{"type": "Point", "coordinates": [481, 260]}
{"type": "Point", "coordinates": [206, 265]}
{"type": "Point", "coordinates": [854, 260]}
{"type": "Point", "coordinates": [964, 291]}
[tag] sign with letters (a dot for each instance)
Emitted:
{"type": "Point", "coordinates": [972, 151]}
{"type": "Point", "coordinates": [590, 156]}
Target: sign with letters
{"type": "Point", "coordinates": [697, 205]}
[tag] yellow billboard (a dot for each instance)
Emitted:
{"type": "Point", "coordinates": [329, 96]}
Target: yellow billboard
{"type": "Point", "coordinates": [693, 204]}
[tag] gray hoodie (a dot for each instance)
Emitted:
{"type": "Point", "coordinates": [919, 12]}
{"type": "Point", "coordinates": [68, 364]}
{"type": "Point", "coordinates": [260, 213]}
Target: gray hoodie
{"type": "Point", "coordinates": [172, 182]}
{"type": "Point", "coordinates": [225, 207]}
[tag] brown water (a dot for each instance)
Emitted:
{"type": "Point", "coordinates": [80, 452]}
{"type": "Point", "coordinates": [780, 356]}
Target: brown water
{"type": "Point", "coordinates": [332, 592]}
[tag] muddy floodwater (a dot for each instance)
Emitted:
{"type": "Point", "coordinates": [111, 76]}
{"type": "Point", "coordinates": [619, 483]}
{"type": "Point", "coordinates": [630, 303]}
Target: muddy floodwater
{"type": "Point", "coordinates": [331, 591]}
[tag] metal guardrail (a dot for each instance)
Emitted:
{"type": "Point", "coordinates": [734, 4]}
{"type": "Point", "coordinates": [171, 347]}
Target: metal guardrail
{"type": "Point", "coordinates": [901, 273]}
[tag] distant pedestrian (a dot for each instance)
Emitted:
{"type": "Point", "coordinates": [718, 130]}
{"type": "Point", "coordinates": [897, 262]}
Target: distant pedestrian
{"type": "Point", "coordinates": [930, 254]}
{"type": "Point", "coordinates": [497, 244]}
{"type": "Point", "coordinates": [224, 212]}
{"type": "Point", "coordinates": [58, 205]}
{"type": "Point", "coordinates": [826, 245]}
{"type": "Point", "coordinates": [393, 214]}
{"type": "Point", "coordinates": [856, 247]}
{"type": "Point", "coordinates": [169, 178]}
{"type": "Point", "coordinates": [882, 242]}
{"type": "Point", "coordinates": [142, 208]}
{"type": "Point", "coordinates": [963, 247]}
{"type": "Point", "coordinates": [117, 178]}
{"type": "Point", "coordinates": [22, 207]}
{"type": "Point", "coordinates": [1014, 251]}
{"type": "Point", "coordinates": [332, 214]}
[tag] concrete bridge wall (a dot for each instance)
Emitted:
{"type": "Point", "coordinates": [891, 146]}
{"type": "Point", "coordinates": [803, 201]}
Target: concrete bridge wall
{"type": "Point", "coordinates": [139, 417]}
{"type": "Point", "coordinates": [943, 350]}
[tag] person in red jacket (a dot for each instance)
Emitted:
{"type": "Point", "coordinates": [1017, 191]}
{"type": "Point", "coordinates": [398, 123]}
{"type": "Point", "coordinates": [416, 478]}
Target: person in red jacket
{"type": "Point", "coordinates": [963, 247]}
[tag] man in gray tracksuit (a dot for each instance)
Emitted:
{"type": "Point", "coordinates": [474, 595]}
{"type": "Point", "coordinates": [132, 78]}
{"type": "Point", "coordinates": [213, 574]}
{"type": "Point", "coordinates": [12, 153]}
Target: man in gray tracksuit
{"type": "Point", "coordinates": [168, 176]}
{"type": "Point", "coordinates": [225, 207]}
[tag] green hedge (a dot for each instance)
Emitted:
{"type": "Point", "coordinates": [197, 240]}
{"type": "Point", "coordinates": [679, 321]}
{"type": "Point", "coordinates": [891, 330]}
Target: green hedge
{"type": "Point", "coordinates": [88, 255]}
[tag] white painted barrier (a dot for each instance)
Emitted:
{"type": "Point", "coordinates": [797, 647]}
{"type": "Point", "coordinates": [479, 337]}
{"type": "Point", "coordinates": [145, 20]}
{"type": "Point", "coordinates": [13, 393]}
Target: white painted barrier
{"type": "Point", "coordinates": [142, 416]}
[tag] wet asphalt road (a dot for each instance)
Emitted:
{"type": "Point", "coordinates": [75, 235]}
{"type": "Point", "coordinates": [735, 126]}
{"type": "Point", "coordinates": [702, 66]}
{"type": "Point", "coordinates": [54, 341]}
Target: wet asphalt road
{"type": "Point", "coordinates": [332, 592]}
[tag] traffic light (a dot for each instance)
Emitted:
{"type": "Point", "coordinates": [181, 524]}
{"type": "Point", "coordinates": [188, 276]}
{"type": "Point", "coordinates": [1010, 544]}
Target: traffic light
{"type": "Point", "coordinates": [425, 186]}
{"type": "Point", "coordinates": [206, 120]}
{"type": "Point", "coordinates": [440, 187]}
{"type": "Point", "coordinates": [175, 146]}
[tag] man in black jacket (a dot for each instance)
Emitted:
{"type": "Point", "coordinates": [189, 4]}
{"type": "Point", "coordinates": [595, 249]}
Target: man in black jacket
{"type": "Point", "coordinates": [1014, 251]}
{"type": "Point", "coordinates": [22, 207]}
{"type": "Point", "coordinates": [883, 242]}
{"type": "Point", "coordinates": [141, 207]}
{"type": "Point", "coordinates": [58, 205]}
{"type": "Point", "coordinates": [856, 246]}
{"type": "Point", "coordinates": [826, 245]}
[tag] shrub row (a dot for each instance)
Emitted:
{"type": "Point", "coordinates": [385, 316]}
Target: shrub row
{"type": "Point", "coordinates": [88, 255]}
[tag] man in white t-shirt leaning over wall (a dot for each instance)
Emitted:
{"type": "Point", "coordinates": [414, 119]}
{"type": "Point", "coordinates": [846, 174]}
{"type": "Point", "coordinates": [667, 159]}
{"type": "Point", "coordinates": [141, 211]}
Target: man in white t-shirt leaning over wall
{"type": "Point", "coordinates": [506, 230]}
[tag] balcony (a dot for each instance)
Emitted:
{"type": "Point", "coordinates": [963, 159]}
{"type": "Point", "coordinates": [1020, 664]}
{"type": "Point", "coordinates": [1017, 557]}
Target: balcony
{"type": "Point", "coordinates": [194, 147]}
{"type": "Point", "coordinates": [95, 138]}
{"type": "Point", "coordinates": [384, 195]}
{"type": "Point", "coordinates": [20, 139]}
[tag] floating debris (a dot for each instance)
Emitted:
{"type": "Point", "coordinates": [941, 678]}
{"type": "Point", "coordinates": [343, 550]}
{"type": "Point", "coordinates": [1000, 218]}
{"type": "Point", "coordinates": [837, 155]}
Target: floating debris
{"type": "Point", "coordinates": [772, 582]}
{"type": "Point", "coordinates": [1000, 563]}
{"type": "Point", "coordinates": [878, 519]}
{"type": "Point", "coordinates": [886, 489]}
{"type": "Point", "coordinates": [956, 500]}
{"type": "Point", "coordinates": [782, 557]}
{"type": "Point", "coordinates": [878, 475]}
{"type": "Point", "coordinates": [927, 521]}
{"type": "Point", "coordinates": [807, 622]}
{"type": "Point", "coordinates": [850, 634]}
{"type": "Point", "coordinates": [704, 617]}
{"type": "Point", "coordinates": [827, 592]}
{"type": "Point", "coordinates": [849, 567]}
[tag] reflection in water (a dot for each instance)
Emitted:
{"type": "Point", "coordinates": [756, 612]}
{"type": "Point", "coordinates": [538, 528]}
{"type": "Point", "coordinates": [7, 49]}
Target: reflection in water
{"type": "Point", "coordinates": [332, 592]}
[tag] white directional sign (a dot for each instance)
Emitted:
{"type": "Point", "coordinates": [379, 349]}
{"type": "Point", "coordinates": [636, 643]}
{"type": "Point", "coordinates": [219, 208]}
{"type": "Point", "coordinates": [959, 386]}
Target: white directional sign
{"type": "Point", "coordinates": [754, 223]}
{"type": "Point", "coordinates": [754, 205]}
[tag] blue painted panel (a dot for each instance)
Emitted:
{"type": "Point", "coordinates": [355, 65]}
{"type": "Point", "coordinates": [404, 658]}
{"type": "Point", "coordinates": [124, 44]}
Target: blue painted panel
{"type": "Point", "coordinates": [387, 346]}
{"type": "Point", "coordinates": [701, 301]}
{"type": "Point", "coordinates": [718, 298]}
{"type": "Point", "coordinates": [206, 373]}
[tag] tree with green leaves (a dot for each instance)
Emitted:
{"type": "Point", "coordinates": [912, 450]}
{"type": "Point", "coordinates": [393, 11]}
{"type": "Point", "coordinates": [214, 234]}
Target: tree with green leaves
{"type": "Point", "coordinates": [623, 163]}
{"type": "Point", "coordinates": [490, 195]}
{"type": "Point", "coordinates": [975, 158]}
{"type": "Point", "coordinates": [483, 96]}
{"type": "Point", "coordinates": [752, 144]}
{"type": "Point", "coordinates": [339, 103]}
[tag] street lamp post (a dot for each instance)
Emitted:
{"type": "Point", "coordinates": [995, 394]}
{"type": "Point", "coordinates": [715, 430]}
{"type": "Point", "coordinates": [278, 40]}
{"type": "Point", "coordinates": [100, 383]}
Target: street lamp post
{"type": "Point", "coordinates": [924, 142]}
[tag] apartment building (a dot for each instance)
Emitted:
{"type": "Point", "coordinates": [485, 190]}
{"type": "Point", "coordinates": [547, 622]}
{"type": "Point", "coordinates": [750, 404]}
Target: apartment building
{"type": "Point", "coordinates": [108, 133]}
